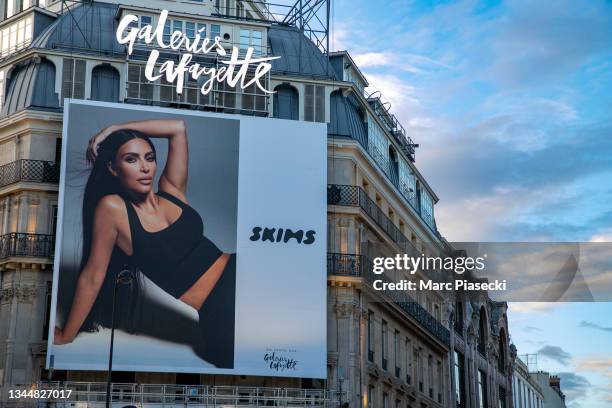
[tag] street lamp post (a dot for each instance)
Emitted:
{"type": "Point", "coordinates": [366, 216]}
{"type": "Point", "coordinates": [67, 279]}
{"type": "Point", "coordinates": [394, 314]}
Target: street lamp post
{"type": "Point", "coordinates": [123, 277]}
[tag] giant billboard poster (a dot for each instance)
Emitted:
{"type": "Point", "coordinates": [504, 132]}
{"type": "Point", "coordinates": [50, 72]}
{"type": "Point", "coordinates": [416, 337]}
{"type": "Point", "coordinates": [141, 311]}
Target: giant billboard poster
{"type": "Point", "coordinates": [203, 232]}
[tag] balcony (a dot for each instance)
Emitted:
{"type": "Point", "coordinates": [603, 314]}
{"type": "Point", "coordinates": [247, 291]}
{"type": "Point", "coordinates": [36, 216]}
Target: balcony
{"type": "Point", "coordinates": [17, 244]}
{"type": "Point", "coordinates": [354, 196]}
{"type": "Point", "coordinates": [25, 170]}
{"type": "Point", "coordinates": [361, 266]}
{"type": "Point", "coordinates": [345, 265]}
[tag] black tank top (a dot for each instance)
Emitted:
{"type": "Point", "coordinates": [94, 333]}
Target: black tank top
{"type": "Point", "coordinates": [177, 256]}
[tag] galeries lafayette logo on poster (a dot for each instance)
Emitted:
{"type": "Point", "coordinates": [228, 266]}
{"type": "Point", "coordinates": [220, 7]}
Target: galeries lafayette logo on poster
{"type": "Point", "coordinates": [234, 73]}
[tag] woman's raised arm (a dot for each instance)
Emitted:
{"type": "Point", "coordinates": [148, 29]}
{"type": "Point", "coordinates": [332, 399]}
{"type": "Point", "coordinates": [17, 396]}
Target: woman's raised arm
{"type": "Point", "coordinates": [92, 276]}
{"type": "Point", "coordinates": [174, 176]}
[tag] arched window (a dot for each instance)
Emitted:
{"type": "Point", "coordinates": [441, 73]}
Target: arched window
{"type": "Point", "coordinates": [482, 327]}
{"type": "Point", "coordinates": [459, 317]}
{"type": "Point", "coordinates": [502, 351]}
{"type": "Point", "coordinates": [286, 102]}
{"type": "Point", "coordinates": [105, 83]}
{"type": "Point", "coordinates": [393, 166]}
{"type": "Point", "coordinates": [44, 94]}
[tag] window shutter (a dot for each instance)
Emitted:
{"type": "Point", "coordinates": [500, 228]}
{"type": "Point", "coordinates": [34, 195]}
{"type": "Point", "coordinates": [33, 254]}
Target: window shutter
{"type": "Point", "coordinates": [320, 104]}
{"type": "Point", "coordinates": [79, 79]}
{"type": "Point", "coordinates": [67, 73]}
{"type": "Point", "coordinates": [309, 103]}
{"type": "Point", "coordinates": [133, 81]}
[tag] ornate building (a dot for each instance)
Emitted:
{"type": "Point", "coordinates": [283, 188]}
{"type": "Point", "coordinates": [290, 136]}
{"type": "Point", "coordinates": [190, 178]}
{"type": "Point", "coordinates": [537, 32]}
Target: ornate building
{"type": "Point", "coordinates": [482, 357]}
{"type": "Point", "coordinates": [428, 350]}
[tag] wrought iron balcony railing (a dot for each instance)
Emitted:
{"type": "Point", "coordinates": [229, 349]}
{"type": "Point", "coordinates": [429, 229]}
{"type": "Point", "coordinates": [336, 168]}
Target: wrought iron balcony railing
{"type": "Point", "coordinates": [355, 196]}
{"type": "Point", "coordinates": [29, 170]}
{"type": "Point", "coordinates": [345, 264]}
{"type": "Point", "coordinates": [19, 244]}
{"type": "Point", "coordinates": [361, 266]}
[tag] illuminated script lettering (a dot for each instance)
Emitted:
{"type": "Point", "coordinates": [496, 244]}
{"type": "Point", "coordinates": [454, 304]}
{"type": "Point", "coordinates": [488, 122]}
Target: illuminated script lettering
{"type": "Point", "coordinates": [233, 73]}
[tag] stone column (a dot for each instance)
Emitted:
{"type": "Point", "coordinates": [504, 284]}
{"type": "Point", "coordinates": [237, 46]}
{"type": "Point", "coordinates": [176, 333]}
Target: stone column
{"type": "Point", "coordinates": [31, 221]}
{"type": "Point", "coordinates": [10, 294]}
{"type": "Point", "coordinates": [6, 204]}
{"type": "Point", "coordinates": [22, 222]}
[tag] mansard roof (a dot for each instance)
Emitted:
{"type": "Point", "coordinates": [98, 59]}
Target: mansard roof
{"type": "Point", "coordinates": [89, 29]}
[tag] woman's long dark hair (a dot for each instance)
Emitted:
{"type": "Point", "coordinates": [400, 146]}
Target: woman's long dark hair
{"type": "Point", "coordinates": [99, 184]}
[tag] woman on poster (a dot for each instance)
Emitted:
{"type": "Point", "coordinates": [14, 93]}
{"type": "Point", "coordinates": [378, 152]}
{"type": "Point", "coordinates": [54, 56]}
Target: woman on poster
{"type": "Point", "coordinates": [158, 233]}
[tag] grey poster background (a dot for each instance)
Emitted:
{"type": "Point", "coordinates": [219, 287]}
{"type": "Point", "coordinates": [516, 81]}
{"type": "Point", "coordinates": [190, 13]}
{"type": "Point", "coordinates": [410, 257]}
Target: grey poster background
{"type": "Point", "coordinates": [212, 187]}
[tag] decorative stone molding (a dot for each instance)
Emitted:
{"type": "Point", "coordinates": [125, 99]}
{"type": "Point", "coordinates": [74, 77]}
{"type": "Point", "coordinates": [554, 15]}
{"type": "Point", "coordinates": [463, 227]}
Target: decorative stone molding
{"type": "Point", "coordinates": [33, 200]}
{"type": "Point", "coordinates": [23, 293]}
{"type": "Point", "coordinates": [346, 309]}
{"type": "Point", "coordinates": [374, 371]}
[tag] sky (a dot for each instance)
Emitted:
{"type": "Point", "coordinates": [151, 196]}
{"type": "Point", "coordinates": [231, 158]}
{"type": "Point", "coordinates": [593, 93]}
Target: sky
{"type": "Point", "coordinates": [511, 105]}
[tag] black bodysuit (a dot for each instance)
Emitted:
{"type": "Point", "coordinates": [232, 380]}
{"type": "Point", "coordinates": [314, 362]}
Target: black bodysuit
{"type": "Point", "coordinates": [174, 259]}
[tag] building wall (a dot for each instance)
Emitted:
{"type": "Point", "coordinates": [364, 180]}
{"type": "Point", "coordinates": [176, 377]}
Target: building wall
{"type": "Point", "coordinates": [552, 397]}
{"type": "Point", "coordinates": [527, 393]}
{"type": "Point", "coordinates": [363, 325]}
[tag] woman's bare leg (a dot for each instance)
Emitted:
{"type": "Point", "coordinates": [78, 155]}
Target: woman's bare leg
{"type": "Point", "coordinates": [197, 294]}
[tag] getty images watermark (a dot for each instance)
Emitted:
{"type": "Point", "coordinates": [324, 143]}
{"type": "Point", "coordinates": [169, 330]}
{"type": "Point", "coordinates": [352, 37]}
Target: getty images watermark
{"type": "Point", "coordinates": [410, 264]}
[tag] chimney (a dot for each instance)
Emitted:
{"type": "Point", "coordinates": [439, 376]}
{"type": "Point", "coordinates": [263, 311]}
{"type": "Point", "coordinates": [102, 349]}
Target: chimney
{"type": "Point", "coordinates": [555, 382]}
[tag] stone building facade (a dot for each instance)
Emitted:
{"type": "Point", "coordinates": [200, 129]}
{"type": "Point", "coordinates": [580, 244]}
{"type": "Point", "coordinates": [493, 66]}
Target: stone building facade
{"type": "Point", "coordinates": [423, 350]}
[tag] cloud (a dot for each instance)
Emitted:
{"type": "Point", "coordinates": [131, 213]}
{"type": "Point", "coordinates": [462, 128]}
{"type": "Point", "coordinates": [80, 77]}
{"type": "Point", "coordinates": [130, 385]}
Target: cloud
{"type": "Point", "coordinates": [492, 192]}
{"type": "Point", "coordinates": [392, 60]}
{"type": "Point", "coordinates": [537, 43]}
{"type": "Point", "coordinates": [555, 353]}
{"type": "Point", "coordinates": [574, 386]}
{"type": "Point", "coordinates": [592, 325]}
{"type": "Point", "coordinates": [392, 88]}
{"type": "Point", "coordinates": [603, 236]}
{"type": "Point", "coordinates": [531, 329]}
{"type": "Point", "coordinates": [600, 364]}
{"type": "Point", "coordinates": [508, 103]}
{"type": "Point", "coordinates": [533, 307]}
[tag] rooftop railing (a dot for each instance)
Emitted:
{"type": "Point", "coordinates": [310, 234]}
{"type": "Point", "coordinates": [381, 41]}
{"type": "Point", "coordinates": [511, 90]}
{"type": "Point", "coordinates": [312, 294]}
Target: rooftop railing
{"type": "Point", "coordinates": [93, 394]}
{"type": "Point", "coordinates": [361, 266]}
{"type": "Point", "coordinates": [29, 170]}
{"type": "Point", "coordinates": [392, 124]}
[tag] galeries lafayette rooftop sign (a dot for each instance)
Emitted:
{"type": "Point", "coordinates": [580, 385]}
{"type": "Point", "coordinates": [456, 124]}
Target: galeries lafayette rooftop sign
{"type": "Point", "coordinates": [234, 73]}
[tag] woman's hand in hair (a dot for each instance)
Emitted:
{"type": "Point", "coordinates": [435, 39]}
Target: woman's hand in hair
{"type": "Point", "coordinates": [94, 142]}
{"type": "Point", "coordinates": [59, 338]}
